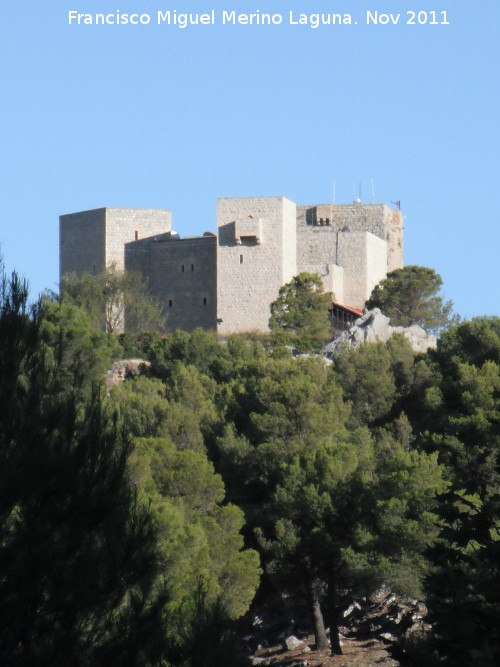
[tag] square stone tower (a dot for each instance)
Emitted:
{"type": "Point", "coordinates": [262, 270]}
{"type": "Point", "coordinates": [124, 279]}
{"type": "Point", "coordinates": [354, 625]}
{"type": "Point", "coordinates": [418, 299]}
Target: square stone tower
{"type": "Point", "coordinates": [256, 255]}
{"type": "Point", "coordinates": [89, 241]}
{"type": "Point", "coordinates": [351, 246]}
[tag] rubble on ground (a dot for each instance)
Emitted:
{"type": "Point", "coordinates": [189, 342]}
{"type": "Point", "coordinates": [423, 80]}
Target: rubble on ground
{"type": "Point", "coordinates": [370, 630]}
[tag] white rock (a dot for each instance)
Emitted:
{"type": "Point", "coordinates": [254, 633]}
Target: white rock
{"type": "Point", "coordinates": [374, 327]}
{"type": "Point", "coordinates": [292, 642]}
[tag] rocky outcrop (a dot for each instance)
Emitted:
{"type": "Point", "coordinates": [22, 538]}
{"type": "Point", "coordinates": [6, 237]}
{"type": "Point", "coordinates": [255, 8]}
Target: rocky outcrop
{"type": "Point", "coordinates": [123, 369]}
{"type": "Point", "coordinates": [373, 632]}
{"type": "Point", "coordinates": [386, 616]}
{"type": "Point", "coordinates": [375, 327]}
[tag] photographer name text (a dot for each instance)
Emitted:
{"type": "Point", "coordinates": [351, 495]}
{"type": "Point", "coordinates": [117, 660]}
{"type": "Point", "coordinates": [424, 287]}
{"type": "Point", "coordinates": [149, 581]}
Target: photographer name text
{"type": "Point", "coordinates": [184, 20]}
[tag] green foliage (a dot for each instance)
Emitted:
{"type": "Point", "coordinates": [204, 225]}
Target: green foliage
{"type": "Point", "coordinates": [397, 521]}
{"type": "Point", "coordinates": [199, 536]}
{"type": "Point", "coordinates": [343, 477]}
{"type": "Point", "coordinates": [144, 406]}
{"type": "Point", "coordinates": [376, 379]}
{"type": "Point", "coordinates": [474, 342]}
{"type": "Point", "coordinates": [80, 353]}
{"type": "Point", "coordinates": [200, 349]}
{"type": "Point", "coordinates": [410, 296]}
{"type": "Point", "coordinates": [299, 316]}
{"type": "Point", "coordinates": [77, 553]}
{"type": "Point", "coordinates": [279, 405]}
{"type": "Point", "coordinates": [208, 638]}
{"type": "Point", "coordinates": [334, 509]}
{"type": "Point", "coordinates": [113, 300]}
{"type": "Point", "coordinates": [184, 412]}
{"type": "Point", "coordinates": [465, 402]}
{"type": "Point", "coordinates": [464, 424]}
{"type": "Point", "coordinates": [365, 375]}
{"type": "Point", "coordinates": [464, 593]}
{"type": "Point", "coordinates": [140, 344]}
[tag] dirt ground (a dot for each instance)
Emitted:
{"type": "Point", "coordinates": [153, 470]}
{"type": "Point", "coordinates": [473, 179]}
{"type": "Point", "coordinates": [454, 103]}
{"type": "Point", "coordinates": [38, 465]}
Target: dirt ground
{"type": "Point", "coordinates": [357, 653]}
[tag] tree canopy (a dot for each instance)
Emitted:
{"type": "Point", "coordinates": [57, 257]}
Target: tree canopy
{"type": "Point", "coordinates": [410, 296]}
{"type": "Point", "coordinates": [300, 314]}
{"type": "Point", "coordinates": [80, 352]}
{"type": "Point", "coordinates": [333, 509]}
{"type": "Point", "coordinates": [77, 552]}
{"type": "Point", "coordinates": [133, 526]}
{"type": "Point", "coordinates": [199, 535]}
{"type": "Point", "coordinates": [114, 300]}
{"type": "Point", "coordinates": [463, 414]}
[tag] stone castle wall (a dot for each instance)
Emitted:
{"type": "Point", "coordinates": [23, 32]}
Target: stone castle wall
{"type": "Point", "coordinates": [251, 269]}
{"type": "Point", "coordinates": [395, 230]}
{"type": "Point", "coordinates": [82, 242]}
{"type": "Point", "coordinates": [317, 227]}
{"type": "Point", "coordinates": [228, 282]}
{"type": "Point", "coordinates": [124, 225]}
{"type": "Point", "coordinates": [332, 277]}
{"type": "Point", "coordinates": [90, 241]}
{"type": "Point", "coordinates": [363, 256]}
{"type": "Point", "coordinates": [181, 274]}
{"type": "Point", "coordinates": [322, 228]}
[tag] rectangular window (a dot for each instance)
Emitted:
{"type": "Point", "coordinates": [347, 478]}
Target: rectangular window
{"type": "Point", "coordinates": [170, 303]}
{"type": "Point", "coordinates": [241, 259]}
{"type": "Point", "coordinates": [204, 300]}
{"type": "Point", "coordinates": [182, 268]}
{"type": "Point", "coordinates": [136, 235]}
{"type": "Point", "coordinates": [192, 267]}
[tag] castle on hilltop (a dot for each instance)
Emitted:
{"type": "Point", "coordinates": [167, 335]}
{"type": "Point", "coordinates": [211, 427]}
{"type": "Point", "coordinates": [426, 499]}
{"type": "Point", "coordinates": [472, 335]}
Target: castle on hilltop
{"type": "Point", "coordinates": [227, 281]}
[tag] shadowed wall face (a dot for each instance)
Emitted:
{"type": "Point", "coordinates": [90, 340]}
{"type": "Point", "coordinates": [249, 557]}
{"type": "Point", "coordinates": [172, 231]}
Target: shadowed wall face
{"type": "Point", "coordinates": [82, 246]}
{"type": "Point", "coordinates": [181, 274]}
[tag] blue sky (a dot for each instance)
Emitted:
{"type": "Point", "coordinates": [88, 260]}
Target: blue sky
{"type": "Point", "coordinates": [155, 116]}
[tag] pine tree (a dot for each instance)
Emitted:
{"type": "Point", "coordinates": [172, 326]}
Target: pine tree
{"type": "Point", "coordinates": [299, 316]}
{"type": "Point", "coordinates": [464, 589]}
{"type": "Point", "coordinates": [77, 552]}
{"type": "Point", "coordinates": [410, 296]}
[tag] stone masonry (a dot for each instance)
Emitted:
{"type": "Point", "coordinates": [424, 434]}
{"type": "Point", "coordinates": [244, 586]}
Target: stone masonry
{"type": "Point", "coordinates": [227, 282]}
{"type": "Point", "coordinates": [90, 241]}
{"type": "Point", "coordinates": [250, 268]}
{"type": "Point", "coordinates": [182, 275]}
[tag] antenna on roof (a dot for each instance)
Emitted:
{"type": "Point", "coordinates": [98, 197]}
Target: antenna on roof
{"type": "Point", "coordinates": [358, 199]}
{"type": "Point", "coordinates": [333, 202]}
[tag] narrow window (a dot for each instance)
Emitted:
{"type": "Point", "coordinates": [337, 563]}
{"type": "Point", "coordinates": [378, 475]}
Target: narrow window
{"type": "Point", "coordinates": [170, 303]}
{"type": "Point", "coordinates": [192, 267]}
{"type": "Point", "coordinates": [182, 268]}
{"type": "Point", "coordinates": [241, 259]}
{"type": "Point", "coordinates": [136, 234]}
{"type": "Point", "coordinates": [204, 300]}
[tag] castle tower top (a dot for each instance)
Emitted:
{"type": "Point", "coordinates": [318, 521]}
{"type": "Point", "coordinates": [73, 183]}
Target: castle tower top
{"type": "Point", "coordinates": [89, 241]}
